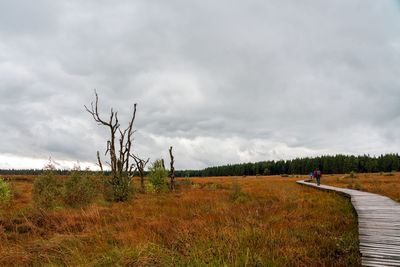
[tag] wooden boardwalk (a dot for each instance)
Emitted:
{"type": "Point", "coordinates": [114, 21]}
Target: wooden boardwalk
{"type": "Point", "coordinates": [378, 225]}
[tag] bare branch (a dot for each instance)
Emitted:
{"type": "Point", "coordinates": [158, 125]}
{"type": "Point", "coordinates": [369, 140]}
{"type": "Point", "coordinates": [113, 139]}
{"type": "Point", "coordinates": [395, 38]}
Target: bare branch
{"type": "Point", "coordinates": [98, 158]}
{"type": "Point", "coordinates": [95, 113]}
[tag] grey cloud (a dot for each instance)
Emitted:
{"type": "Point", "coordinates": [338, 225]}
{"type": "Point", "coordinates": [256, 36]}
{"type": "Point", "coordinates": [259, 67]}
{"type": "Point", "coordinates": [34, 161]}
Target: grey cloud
{"type": "Point", "coordinates": [222, 81]}
{"type": "Point", "coordinates": [24, 17]}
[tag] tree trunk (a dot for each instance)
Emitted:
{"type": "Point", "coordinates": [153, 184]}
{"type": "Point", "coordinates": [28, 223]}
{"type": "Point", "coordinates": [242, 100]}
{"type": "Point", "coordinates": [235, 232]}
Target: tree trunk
{"type": "Point", "coordinates": [141, 164]}
{"type": "Point", "coordinates": [172, 174]}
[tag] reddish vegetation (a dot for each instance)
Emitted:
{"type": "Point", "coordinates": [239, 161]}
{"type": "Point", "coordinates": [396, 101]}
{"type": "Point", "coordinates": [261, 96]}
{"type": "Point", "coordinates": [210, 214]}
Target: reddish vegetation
{"type": "Point", "coordinates": [387, 184]}
{"type": "Point", "coordinates": [273, 222]}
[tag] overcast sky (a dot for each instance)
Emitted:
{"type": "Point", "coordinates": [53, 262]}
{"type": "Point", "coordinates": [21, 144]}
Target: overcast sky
{"type": "Point", "coordinates": [221, 81]}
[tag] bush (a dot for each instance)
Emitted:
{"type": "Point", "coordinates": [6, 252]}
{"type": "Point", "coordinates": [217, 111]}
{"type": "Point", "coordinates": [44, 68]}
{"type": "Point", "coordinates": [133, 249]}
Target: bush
{"type": "Point", "coordinates": [350, 186]}
{"type": "Point", "coordinates": [123, 188]}
{"type": "Point", "coordinates": [187, 182]}
{"type": "Point", "coordinates": [196, 186]}
{"type": "Point", "coordinates": [15, 192]}
{"type": "Point", "coordinates": [353, 174]}
{"type": "Point", "coordinates": [116, 189]}
{"type": "Point", "coordinates": [47, 190]}
{"type": "Point", "coordinates": [389, 174]}
{"type": "Point", "coordinates": [107, 189]}
{"type": "Point", "coordinates": [357, 186]}
{"type": "Point", "coordinates": [158, 176]}
{"type": "Point", "coordinates": [5, 192]}
{"type": "Point", "coordinates": [237, 194]}
{"type": "Point", "coordinates": [79, 189]}
{"type": "Point", "coordinates": [211, 186]}
{"type": "Point", "coordinates": [150, 188]}
{"type": "Point", "coordinates": [284, 175]}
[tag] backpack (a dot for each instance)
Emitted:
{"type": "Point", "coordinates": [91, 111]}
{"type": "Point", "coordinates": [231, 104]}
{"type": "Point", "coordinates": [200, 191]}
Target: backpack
{"type": "Point", "coordinates": [318, 173]}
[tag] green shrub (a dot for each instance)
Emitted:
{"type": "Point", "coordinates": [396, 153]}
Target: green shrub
{"type": "Point", "coordinates": [196, 186]}
{"type": "Point", "coordinates": [116, 188]}
{"type": "Point", "coordinates": [47, 190]}
{"type": "Point", "coordinates": [79, 189]}
{"type": "Point", "coordinates": [107, 189]}
{"type": "Point", "coordinates": [357, 186]}
{"type": "Point", "coordinates": [212, 186]}
{"type": "Point", "coordinates": [187, 182]}
{"type": "Point", "coordinates": [123, 188]}
{"type": "Point", "coordinates": [158, 176]}
{"type": "Point", "coordinates": [284, 175]}
{"type": "Point", "coordinates": [353, 174]}
{"type": "Point", "coordinates": [150, 188]}
{"type": "Point", "coordinates": [5, 192]}
{"type": "Point", "coordinates": [389, 174]}
{"type": "Point", "coordinates": [237, 194]}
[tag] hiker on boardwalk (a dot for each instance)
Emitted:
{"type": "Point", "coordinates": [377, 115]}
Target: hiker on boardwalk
{"type": "Point", "coordinates": [317, 175]}
{"type": "Point", "coordinates": [311, 175]}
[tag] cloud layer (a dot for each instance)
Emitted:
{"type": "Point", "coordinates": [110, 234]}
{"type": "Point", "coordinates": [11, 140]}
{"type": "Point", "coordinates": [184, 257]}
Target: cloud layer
{"type": "Point", "coordinates": [222, 82]}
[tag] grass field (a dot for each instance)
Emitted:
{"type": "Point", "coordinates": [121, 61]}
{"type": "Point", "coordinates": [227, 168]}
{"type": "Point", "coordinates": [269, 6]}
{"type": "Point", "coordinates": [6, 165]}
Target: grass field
{"type": "Point", "coordinates": [272, 221]}
{"type": "Point", "coordinates": [387, 184]}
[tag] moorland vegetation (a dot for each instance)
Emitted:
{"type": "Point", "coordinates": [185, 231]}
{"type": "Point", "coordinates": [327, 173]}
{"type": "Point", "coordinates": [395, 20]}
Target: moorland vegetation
{"type": "Point", "coordinates": [386, 184]}
{"type": "Point", "coordinates": [236, 221]}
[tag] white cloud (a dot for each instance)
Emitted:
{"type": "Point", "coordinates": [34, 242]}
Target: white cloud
{"type": "Point", "coordinates": [9, 161]}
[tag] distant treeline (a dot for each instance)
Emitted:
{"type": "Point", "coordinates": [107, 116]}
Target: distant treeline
{"type": "Point", "coordinates": [327, 164]}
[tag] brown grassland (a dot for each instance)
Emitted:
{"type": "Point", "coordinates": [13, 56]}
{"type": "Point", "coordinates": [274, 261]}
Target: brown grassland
{"type": "Point", "coordinates": [387, 184]}
{"type": "Point", "coordinates": [272, 222]}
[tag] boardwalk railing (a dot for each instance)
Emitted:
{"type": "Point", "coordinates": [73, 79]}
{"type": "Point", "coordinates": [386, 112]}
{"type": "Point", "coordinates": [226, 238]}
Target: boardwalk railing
{"type": "Point", "coordinates": [378, 225]}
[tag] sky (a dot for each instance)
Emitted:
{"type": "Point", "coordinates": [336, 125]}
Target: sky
{"type": "Point", "coordinates": [221, 81]}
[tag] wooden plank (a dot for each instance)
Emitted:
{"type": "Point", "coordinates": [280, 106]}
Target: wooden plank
{"type": "Point", "coordinates": [378, 225]}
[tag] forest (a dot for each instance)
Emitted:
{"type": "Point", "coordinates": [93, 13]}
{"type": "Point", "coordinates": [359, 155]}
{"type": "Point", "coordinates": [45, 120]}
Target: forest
{"type": "Point", "coordinates": [327, 164]}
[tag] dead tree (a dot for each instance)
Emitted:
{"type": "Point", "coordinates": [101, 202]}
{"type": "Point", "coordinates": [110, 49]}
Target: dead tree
{"type": "Point", "coordinates": [162, 163]}
{"type": "Point", "coordinates": [172, 173]}
{"type": "Point", "coordinates": [141, 164]}
{"type": "Point", "coordinates": [119, 155]}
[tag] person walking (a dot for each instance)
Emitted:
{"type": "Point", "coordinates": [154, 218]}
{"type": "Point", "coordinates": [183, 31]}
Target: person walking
{"type": "Point", "coordinates": [317, 175]}
{"type": "Point", "coordinates": [311, 175]}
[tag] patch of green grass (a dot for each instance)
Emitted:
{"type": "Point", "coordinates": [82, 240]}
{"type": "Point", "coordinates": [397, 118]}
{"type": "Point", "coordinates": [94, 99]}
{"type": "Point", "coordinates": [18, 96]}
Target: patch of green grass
{"type": "Point", "coordinates": [237, 195]}
{"type": "Point", "coordinates": [389, 174]}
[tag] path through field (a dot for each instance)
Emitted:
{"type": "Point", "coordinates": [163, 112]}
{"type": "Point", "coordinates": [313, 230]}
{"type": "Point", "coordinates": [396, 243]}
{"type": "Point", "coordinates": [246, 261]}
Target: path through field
{"type": "Point", "coordinates": [378, 222]}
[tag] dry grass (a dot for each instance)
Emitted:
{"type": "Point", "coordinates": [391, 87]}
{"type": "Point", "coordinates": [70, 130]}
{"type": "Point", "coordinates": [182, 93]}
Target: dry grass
{"type": "Point", "coordinates": [274, 223]}
{"type": "Point", "coordinates": [387, 184]}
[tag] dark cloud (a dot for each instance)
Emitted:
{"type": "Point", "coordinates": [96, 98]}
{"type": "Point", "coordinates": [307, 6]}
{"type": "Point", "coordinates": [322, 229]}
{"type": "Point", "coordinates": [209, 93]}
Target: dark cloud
{"type": "Point", "coordinates": [220, 81]}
